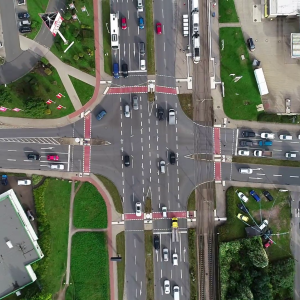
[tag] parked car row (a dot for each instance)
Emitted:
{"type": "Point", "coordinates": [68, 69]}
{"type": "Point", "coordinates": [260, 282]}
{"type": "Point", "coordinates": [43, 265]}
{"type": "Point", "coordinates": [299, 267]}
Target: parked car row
{"type": "Point", "coordinates": [255, 196]}
{"type": "Point", "coordinates": [24, 23]}
{"type": "Point", "coordinates": [268, 135]}
{"type": "Point", "coordinates": [50, 157]}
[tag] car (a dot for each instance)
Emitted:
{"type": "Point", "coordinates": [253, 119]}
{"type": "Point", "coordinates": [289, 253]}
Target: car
{"type": "Point", "coordinates": [243, 218]}
{"type": "Point", "coordinates": [156, 243]}
{"type": "Point", "coordinates": [4, 180]}
{"type": "Point", "coordinates": [172, 157]}
{"type": "Point", "coordinates": [245, 170]}
{"type": "Point", "coordinates": [24, 23]}
{"type": "Point", "coordinates": [268, 195]}
{"type": "Point", "coordinates": [176, 292]}
{"type": "Point", "coordinates": [242, 196]}
{"type": "Point", "coordinates": [290, 155]}
{"type": "Point", "coordinates": [267, 234]}
{"type": "Point", "coordinates": [126, 160]}
{"type": "Point", "coordinates": [244, 152]}
{"type": "Point", "coordinates": [254, 195]}
{"type": "Point", "coordinates": [143, 65]}
{"type": "Point", "coordinates": [268, 243]}
{"type": "Point", "coordinates": [135, 103]}
{"type": "Point", "coordinates": [123, 23]}
{"type": "Point", "coordinates": [167, 286]}
{"type": "Point", "coordinates": [24, 29]}
{"type": "Point", "coordinates": [166, 254]}
{"type": "Point", "coordinates": [21, 2]}
{"type": "Point", "coordinates": [265, 143]}
{"type": "Point", "coordinates": [175, 259]}
{"type": "Point", "coordinates": [164, 211]}
{"type": "Point", "coordinates": [33, 156]}
{"type": "Point", "coordinates": [101, 114]}
{"type": "Point", "coordinates": [29, 215]}
{"type": "Point", "coordinates": [160, 114]}
{"type": "Point", "coordinates": [23, 15]}
{"type": "Point", "coordinates": [127, 111]}
{"type": "Point", "coordinates": [162, 166]}
{"type": "Point", "coordinates": [244, 143]}
{"type": "Point", "coordinates": [263, 225]}
{"type": "Point", "coordinates": [242, 207]}
{"type": "Point", "coordinates": [248, 134]}
{"type": "Point", "coordinates": [138, 209]}
{"type": "Point", "coordinates": [285, 137]}
{"type": "Point", "coordinates": [125, 70]}
{"type": "Point", "coordinates": [267, 135]}
{"type": "Point", "coordinates": [251, 44]}
{"type": "Point", "coordinates": [57, 167]}
{"type": "Point", "coordinates": [142, 48]}
{"type": "Point", "coordinates": [53, 157]}
{"type": "Point", "coordinates": [24, 182]}
{"type": "Point", "coordinates": [141, 23]}
{"type": "Point", "coordinates": [158, 28]}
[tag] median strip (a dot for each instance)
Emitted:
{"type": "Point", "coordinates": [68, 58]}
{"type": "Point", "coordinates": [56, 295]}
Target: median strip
{"type": "Point", "coordinates": [266, 161]}
{"type": "Point", "coordinates": [150, 37]}
{"type": "Point", "coordinates": [149, 264]}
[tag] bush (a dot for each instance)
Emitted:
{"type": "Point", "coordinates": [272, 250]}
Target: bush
{"type": "Point", "coordinates": [90, 52]}
{"type": "Point", "coordinates": [67, 15]}
{"type": "Point", "coordinates": [54, 82]}
{"type": "Point", "coordinates": [87, 34]}
{"type": "Point", "coordinates": [45, 61]}
{"type": "Point", "coordinates": [80, 55]}
{"type": "Point", "coordinates": [48, 111]}
{"type": "Point", "coordinates": [48, 71]}
{"type": "Point", "coordinates": [76, 32]}
{"type": "Point", "coordinates": [79, 38]}
{"type": "Point", "coordinates": [83, 26]}
{"type": "Point", "coordinates": [76, 57]}
{"type": "Point", "coordinates": [35, 107]}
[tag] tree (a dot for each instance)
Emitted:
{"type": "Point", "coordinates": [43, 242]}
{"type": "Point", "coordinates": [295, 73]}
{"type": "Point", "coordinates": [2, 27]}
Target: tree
{"type": "Point", "coordinates": [68, 15]}
{"type": "Point", "coordinates": [76, 57]}
{"type": "Point", "coordinates": [80, 55]}
{"type": "Point", "coordinates": [35, 107]}
{"type": "Point", "coordinates": [42, 297]}
{"type": "Point", "coordinates": [259, 258]}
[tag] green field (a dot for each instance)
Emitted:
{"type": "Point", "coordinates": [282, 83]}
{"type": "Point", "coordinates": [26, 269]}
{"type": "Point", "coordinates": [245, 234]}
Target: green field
{"type": "Point", "coordinates": [227, 12]}
{"type": "Point", "coordinates": [81, 55]}
{"type": "Point", "coordinates": [149, 27]}
{"type": "Point", "coordinates": [265, 161]}
{"type": "Point", "coordinates": [84, 91]}
{"type": "Point", "coordinates": [113, 191]}
{"type": "Point", "coordinates": [35, 7]}
{"type": "Point", "coordinates": [278, 215]}
{"type": "Point", "coordinates": [191, 205]}
{"type": "Point", "coordinates": [241, 97]}
{"type": "Point", "coordinates": [106, 37]}
{"type": "Point", "coordinates": [121, 264]}
{"type": "Point", "coordinates": [30, 94]}
{"type": "Point", "coordinates": [149, 264]}
{"type": "Point", "coordinates": [89, 208]}
{"type": "Point", "coordinates": [186, 103]}
{"type": "Point", "coordinates": [89, 267]}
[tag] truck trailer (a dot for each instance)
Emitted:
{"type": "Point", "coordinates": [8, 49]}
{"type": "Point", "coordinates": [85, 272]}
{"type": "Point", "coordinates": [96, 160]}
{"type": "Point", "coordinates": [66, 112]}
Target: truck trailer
{"type": "Point", "coordinates": [261, 153]}
{"type": "Point", "coordinates": [175, 230]}
{"type": "Point", "coordinates": [261, 81]}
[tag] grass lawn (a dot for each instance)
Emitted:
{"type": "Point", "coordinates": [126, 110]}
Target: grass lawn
{"type": "Point", "coordinates": [191, 205]}
{"type": "Point", "coordinates": [279, 217]}
{"type": "Point", "coordinates": [148, 205]}
{"type": "Point", "coordinates": [106, 37]}
{"type": "Point", "coordinates": [149, 264]}
{"type": "Point", "coordinates": [121, 264]}
{"type": "Point", "coordinates": [30, 94]}
{"type": "Point", "coordinates": [82, 53]}
{"type": "Point", "coordinates": [89, 267]}
{"type": "Point", "coordinates": [227, 12]}
{"type": "Point", "coordinates": [265, 161]}
{"type": "Point", "coordinates": [192, 263]}
{"type": "Point", "coordinates": [35, 7]}
{"type": "Point", "coordinates": [186, 102]}
{"type": "Point", "coordinates": [114, 193]}
{"type": "Point", "coordinates": [89, 208]}
{"type": "Point", "coordinates": [84, 91]}
{"type": "Point", "coordinates": [264, 117]}
{"type": "Point", "coordinates": [241, 97]}
{"type": "Point", "coordinates": [150, 37]}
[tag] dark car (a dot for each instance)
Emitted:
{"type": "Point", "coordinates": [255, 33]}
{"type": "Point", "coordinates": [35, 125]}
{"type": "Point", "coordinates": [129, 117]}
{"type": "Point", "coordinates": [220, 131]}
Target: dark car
{"type": "Point", "coordinates": [156, 243]}
{"type": "Point", "coordinates": [268, 195]}
{"type": "Point", "coordinates": [33, 156]}
{"type": "Point", "coordinates": [254, 195]}
{"type": "Point", "coordinates": [25, 29]}
{"type": "Point", "coordinates": [23, 15]}
{"type": "Point", "coordinates": [251, 44]}
{"type": "Point", "coordinates": [243, 207]}
{"type": "Point", "coordinates": [248, 134]}
{"type": "Point", "coordinates": [4, 180]}
{"type": "Point", "coordinates": [160, 114]}
{"type": "Point", "coordinates": [244, 143]}
{"type": "Point", "coordinates": [125, 70]}
{"type": "Point", "coordinates": [172, 158]}
{"type": "Point", "coordinates": [101, 115]}
{"type": "Point", "coordinates": [126, 160]}
{"type": "Point", "coordinates": [267, 234]}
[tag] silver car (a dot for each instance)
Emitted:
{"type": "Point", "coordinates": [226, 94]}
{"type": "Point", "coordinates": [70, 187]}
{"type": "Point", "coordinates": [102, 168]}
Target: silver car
{"type": "Point", "coordinates": [127, 111]}
{"type": "Point", "coordinates": [135, 103]}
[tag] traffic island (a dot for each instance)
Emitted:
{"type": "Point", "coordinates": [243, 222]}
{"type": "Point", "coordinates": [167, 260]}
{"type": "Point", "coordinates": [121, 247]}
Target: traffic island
{"type": "Point", "coordinates": [149, 264]}
{"type": "Point", "coordinates": [121, 264]}
{"type": "Point", "coordinates": [186, 103]}
{"type": "Point", "coordinates": [192, 263]}
{"type": "Point", "coordinates": [265, 161]}
{"type": "Point", "coordinates": [150, 37]}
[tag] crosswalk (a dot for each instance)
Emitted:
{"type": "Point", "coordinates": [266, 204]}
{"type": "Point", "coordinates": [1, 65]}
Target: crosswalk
{"type": "Point", "coordinates": [32, 140]}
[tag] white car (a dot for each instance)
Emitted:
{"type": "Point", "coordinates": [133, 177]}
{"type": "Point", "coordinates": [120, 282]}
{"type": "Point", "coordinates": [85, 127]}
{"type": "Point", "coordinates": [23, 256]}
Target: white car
{"type": "Point", "coordinates": [164, 212]}
{"type": "Point", "coordinates": [143, 65]}
{"type": "Point", "coordinates": [127, 111]}
{"type": "Point", "coordinates": [267, 135]}
{"type": "Point", "coordinates": [24, 182]}
{"type": "Point", "coordinates": [175, 259]}
{"type": "Point", "coordinates": [57, 166]}
{"type": "Point", "coordinates": [138, 209]}
{"type": "Point", "coordinates": [167, 286]}
{"type": "Point", "coordinates": [244, 152]}
{"type": "Point", "coordinates": [30, 216]}
{"type": "Point", "coordinates": [242, 197]}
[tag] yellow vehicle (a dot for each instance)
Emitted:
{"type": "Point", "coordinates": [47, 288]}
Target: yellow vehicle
{"type": "Point", "coordinates": [175, 230]}
{"type": "Point", "coordinates": [243, 218]}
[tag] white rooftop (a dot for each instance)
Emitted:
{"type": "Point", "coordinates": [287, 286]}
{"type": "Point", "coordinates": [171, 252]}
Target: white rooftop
{"type": "Point", "coordinates": [284, 7]}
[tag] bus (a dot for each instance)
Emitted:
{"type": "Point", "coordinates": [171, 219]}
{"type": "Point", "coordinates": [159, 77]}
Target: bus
{"type": "Point", "coordinates": [114, 31]}
{"type": "Point", "coordinates": [196, 48]}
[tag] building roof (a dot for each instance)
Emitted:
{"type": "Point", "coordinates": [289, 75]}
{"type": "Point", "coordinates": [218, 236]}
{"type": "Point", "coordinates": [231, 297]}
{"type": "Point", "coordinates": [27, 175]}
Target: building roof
{"type": "Point", "coordinates": [295, 45]}
{"type": "Point", "coordinates": [18, 246]}
{"type": "Point", "coordinates": [284, 7]}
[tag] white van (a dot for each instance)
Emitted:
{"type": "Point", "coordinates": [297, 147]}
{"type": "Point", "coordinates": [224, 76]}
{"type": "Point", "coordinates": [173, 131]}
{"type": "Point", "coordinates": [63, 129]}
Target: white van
{"type": "Point", "coordinates": [24, 182]}
{"type": "Point", "coordinates": [263, 225]}
{"type": "Point", "coordinates": [285, 137]}
{"type": "Point", "coordinates": [57, 166]}
{"type": "Point", "coordinates": [176, 292]}
{"type": "Point", "coordinates": [245, 170]}
{"type": "Point", "coordinates": [162, 165]}
{"type": "Point", "coordinates": [140, 5]}
{"type": "Point", "coordinates": [290, 155]}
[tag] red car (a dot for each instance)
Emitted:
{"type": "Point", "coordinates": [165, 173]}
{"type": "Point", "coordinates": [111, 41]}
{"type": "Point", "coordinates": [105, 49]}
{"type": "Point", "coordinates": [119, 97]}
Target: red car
{"type": "Point", "coordinates": [124, 23]}
{"type": "Point", "coordinates": [52, 157]}
{"type": "Point", "coordinates": [158, 28]}
{"type": "Point", "coordinates": [268, 243]}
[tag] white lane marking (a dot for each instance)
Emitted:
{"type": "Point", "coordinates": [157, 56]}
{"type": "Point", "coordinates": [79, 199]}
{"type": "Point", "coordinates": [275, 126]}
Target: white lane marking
{"type": "Point", "coordinates": [171, 274]}
{"type": "Point", "coordinates": [27, 160]}
{"type": "Point", "coordinates": [11, 150]}
{"type": "Point", "coordinates": [160, 273]}
{"type": "Point", "coordinates": [128, 15]}
{"type": "Point", "coordinates": [277, 150]}
{"type": "Point", "coordinates": [181, 273]}
{"type": "Point", "coordinates": [277, 175]}
{"type": "Point", "coordinates": [129, 62]}
{"type": "Point", "coordinates": [294, 142]}
{"type": "Point", "coordinates": [10, 159]}
{"type": "Point", "coordinates": [164, 47]}
{"type": "Point", "coordinates": [69, 157]}
{"type": "Point", "coordinates": [292, 176]}
{"type": "Point", "coordinates": [134, 241]}
{"type": "Point", "coordinates": [255, 178]}
{"type": "Point", "coordinates": [135, 259]}
{"type": "Point", "coordinates": [28, 151]}
{"type": "Point", "coordinates": [135, 276]}
{"type": "Point", "coordinates": [124, 49]}
{"type": "Point", "coordinates": [260, 174]}
{"type": "Point", "coordinates": [162, 12]}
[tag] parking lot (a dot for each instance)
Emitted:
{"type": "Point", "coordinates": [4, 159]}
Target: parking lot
{"type": "Point", "coordinates": [272, 48]}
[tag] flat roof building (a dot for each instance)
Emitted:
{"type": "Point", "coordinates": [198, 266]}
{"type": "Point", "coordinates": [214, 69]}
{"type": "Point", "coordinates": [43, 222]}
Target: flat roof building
{"type": "Point", "coordinates": [288, 8]}
{"type": "Point", "coordinates": [18, 246]}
